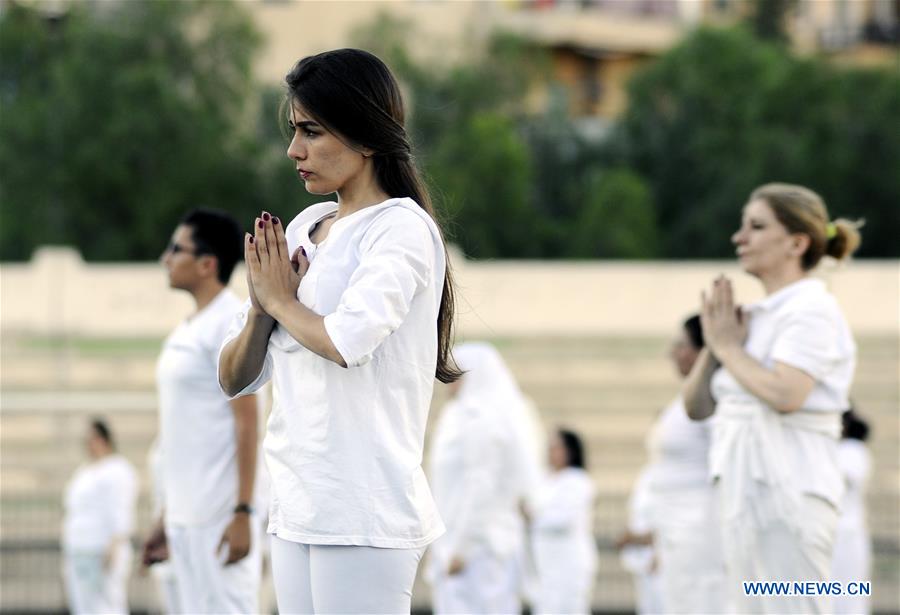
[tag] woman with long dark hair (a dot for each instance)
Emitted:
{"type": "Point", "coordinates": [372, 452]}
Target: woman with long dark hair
{"type": "Point", "coordinates": [350, 314]}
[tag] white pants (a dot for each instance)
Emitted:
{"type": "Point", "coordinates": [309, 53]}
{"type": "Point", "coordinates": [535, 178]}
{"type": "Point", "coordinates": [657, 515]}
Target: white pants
{"type": "Point", "coordinates": [565, 568]}
{"type": "Point", "coordinates": [648, 593]}
{"type": "Point", "coordinates": [782, 552]}
{"type": "Point", "coordinates": [691, 562]}
{"type": "Point", "coordinates": [487, 584]}
{"type": "Point", "coordinates": [91, 589]}
{"type": "Point", "coordinates": [205, 584]}
{"type": "Point", "coordinates": [342, 579]}
{"type": "Point", "coordinates": [852, 563]}
{"type": "Point", "coordinates": [166, 586]}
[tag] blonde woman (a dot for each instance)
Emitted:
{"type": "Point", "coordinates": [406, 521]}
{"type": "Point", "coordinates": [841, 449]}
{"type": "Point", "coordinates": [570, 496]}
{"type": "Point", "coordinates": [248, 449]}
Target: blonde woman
{"type": "Point", "coordinates": [777, 376]}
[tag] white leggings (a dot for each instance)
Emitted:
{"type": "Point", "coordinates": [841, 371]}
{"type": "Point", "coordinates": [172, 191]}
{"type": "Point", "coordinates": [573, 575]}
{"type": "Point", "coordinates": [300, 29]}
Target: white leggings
{"type": "Point", "coordinates": [342, 579]}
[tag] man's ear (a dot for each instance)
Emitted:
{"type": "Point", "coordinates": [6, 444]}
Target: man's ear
{"type": "Point", "coordinates": [209, 265]}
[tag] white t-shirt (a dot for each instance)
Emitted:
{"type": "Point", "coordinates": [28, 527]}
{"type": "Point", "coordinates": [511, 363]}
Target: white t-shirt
{"type": "Point", "coordinates": [99, 503]}
{"type": "Point", "coordinates": [801, 325]}
{"type": "Point", "coordinates": [344, 445]}
{"type": "Point", "coordinates": [678, 449]}
{"type": "Point", "coordinates": [197, 441]}
{"type": "Point", "coordinates": [856, 464]}
{"type": "Point", "coordinates": [564, 508]}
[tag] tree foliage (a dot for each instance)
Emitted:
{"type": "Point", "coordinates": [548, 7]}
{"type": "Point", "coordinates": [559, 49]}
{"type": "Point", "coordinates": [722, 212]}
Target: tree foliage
{"type": "Point", "coordinates": [723, 113]}
{"type": "Point", "coordinates": [118, 117]}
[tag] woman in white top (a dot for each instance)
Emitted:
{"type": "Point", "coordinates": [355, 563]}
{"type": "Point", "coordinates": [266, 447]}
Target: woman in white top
{"type": "Point", "coordinates": [562, 530]}
{"type": "Point", "coordinates": [99, 519]}
{"type": "Point", "coordinates": [777, 376]}
{"type": "Point", "coordinates": [479, 467]}
{"type": "Point", "coordinates": [685, 520]}
{"type": "Point", "coordinates": [349, 315]}
{"type": "Point", "coordinates": [852, 560]}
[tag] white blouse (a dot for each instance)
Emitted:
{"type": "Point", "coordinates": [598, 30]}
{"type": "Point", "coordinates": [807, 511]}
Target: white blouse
{"type": "Point", "coordinates": [99, 503]}
{"type": "Point", "coordinates": [344, 445]}
{"type": "Point", "coordinates": [802, 326]}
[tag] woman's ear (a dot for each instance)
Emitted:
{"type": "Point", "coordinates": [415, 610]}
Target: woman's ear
{"type": "Point", "coordinates": [799, 244]}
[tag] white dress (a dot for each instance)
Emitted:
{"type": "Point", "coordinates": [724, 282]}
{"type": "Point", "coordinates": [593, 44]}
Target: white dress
{"type": "Point", "coordinates": [852, 559]}
{"type": "Point", "coordinates": [563, 541]}
{"type": "Point", "coordinates": [99, 507]}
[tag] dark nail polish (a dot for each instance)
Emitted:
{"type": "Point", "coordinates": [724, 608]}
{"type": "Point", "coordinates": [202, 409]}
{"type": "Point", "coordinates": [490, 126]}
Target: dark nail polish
{"type": "Point", "coordinates": [266, 216]}
{"type": "Point", "coordinates": [274, 219]}
{"type": "Point", "coordinates": [302, 251]}
{"type": "Point", "coordinates": [262, 224]}
{"type": "Point", "coordinates": [251, 238]}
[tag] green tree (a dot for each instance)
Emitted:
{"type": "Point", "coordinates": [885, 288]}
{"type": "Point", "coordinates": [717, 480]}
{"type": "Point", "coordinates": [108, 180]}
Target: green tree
{"type": "Point", "coordinates": [117, 117]}
{"type": "Point", "coordinates": [617, 219]}
{"type": "Point", "coordinates": [723, 113]}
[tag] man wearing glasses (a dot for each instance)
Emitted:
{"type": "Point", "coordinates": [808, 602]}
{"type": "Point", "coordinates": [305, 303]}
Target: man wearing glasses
{"type": "Point", "coordinates": [208, 445]}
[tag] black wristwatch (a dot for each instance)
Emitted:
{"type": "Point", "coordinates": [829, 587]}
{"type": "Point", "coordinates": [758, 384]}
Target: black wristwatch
{"type": "Point", "coordinates": [243, 507]}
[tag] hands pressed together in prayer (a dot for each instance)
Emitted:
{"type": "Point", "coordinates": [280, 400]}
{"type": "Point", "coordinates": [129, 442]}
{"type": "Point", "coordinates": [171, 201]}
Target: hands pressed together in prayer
{"type": "Point", "coordinates": [724, 323]}
{"type": "Point", "coordinates": [273, 275]}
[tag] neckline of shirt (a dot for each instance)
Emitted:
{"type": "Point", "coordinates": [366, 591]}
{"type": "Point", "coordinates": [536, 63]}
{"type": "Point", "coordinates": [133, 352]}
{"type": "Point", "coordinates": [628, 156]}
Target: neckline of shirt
{"type": "Point", "coordinates": [780, 296]}
{"type": "Point", "coordinates": [394, 200]}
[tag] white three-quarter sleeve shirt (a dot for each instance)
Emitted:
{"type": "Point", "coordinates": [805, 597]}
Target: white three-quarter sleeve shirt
{"type": "Point", "coordinates": [801, 325]}
{"type": "Point", "coordinates": [344, 445]}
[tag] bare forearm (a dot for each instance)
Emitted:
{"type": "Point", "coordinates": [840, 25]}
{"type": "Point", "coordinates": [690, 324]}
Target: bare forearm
{"type": "Point", "coordinates": [697, 393]}
{"type": "Point", "coordinates": [308, 328]}
{"type": "Point", "coordinates": [243, 358]}
{"type": "Point", "coordinates": [246, 428]}
{"type": "Point", "coordinates": [766, 384]}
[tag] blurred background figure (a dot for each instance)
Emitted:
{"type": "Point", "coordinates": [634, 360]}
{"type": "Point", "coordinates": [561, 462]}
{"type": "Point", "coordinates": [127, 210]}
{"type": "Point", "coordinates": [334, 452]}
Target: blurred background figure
{"type": "Point", "coordinates": [637, 552]}
{"type": "Point", "coordinates": [562, 533]}
{"type": "Point", "coordinates": [852, 558]}
{"type": "Point", "coordinates": [99, 519]}
{"type": "Point", "coordinates": [209, 528]}
{"type": "Point", "coordinates": [480, 471]}
{"type": "Point", "coordinates": [163, 575]}
{"type": "Point", "coordinates": [692, 566]}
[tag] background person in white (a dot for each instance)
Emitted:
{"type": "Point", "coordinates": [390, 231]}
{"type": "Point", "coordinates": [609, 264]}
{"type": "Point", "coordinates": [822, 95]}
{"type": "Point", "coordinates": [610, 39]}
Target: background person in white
{"type": "Point", "coordinates": [478, 467]}
{"type": "Point", "coordinates": [562, 530]}
{"type": "Point", "coordinates": [350, 315]}
{"type": "Point", "coordinates": [691, 563]}
{"type": "Point", "coordinates": [852, 559]}
{"type": "Point", "coordinates": [99, 519]}
{"type": "Point", "coordinates": [208, 444]}
{"type": "Point", "coordinates": [777, 376]}
{"type": "Point", "coordinates": [637, 551]}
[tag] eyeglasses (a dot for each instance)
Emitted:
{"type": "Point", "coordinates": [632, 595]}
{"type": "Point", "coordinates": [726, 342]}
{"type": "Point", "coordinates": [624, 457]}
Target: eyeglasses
{"type": "Point", "coordinates": [175, 248]}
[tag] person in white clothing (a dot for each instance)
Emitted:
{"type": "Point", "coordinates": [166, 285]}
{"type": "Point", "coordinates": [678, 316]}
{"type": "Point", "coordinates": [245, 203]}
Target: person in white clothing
{"type": "Point", "coordinates": [852, 559]}
{"type": "Point", "coordinates": [163, 575]}
{"type": "Point", "coordinates": [97, 527]}
{"type": "Point", "coordinates": [481, 471]}
{"type": "Point", "coordinates": [777, 376]}
{"type": "Point", "coordinates": [637, 552]}
{"type": "Point", "coordinates": [350, 316]}
{"type": "Point", "coordinates": [691, 562]}
{"type": "Point", "coordinates": [208, 444]}
{"type": "Point", "coordinates": [562, 530]}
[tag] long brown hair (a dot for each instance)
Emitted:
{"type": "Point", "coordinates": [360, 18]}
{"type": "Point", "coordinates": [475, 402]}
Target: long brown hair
{"type": "Point", "coordinates": [352, 93]}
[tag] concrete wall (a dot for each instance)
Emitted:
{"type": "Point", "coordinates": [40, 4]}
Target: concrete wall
{"type": "Point", "coordinates": [59, 294]}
